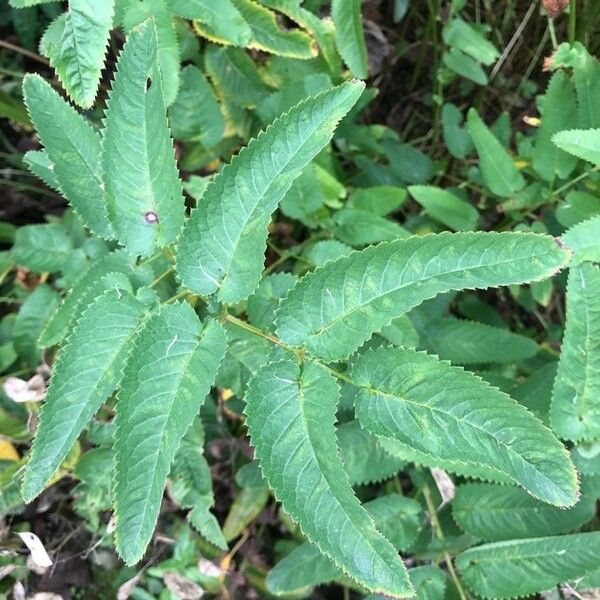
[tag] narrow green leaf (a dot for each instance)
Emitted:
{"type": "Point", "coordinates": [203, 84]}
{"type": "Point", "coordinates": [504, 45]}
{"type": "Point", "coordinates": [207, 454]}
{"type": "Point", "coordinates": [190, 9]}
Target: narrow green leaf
{"type": "Point", "coordinates": [535, 392]}
{"type": "Point", "coordinates": [31, 319]}
{"type": "Point", "coordinates": [584, 240]}
{"type": "Point", "coordinates": [39, 164]}
{"type": "Point", "coordinates": [330, 314]}
{"type": "Point", "coordinates": [73, 149]}
{"type": "Point", "coordinates": [583, 143]}
{"type": "Point", "coordinates": [358, 227]}
{"type": "Point", "coordinates": [143, 190]}
{"type": "Point", "coordinates": [456, 138]}
{"type": "Point", "coordinates": [365, 460]}
{"type": "Point", "coordinates": [41, 248]}
{"type": "Point", "coordinates": [575, 409]}
{"type": "Point", "coordinates": [399, 518]}
{"type": "Point", "coordinates": [465, 66]}
{"type": "Point", "coordinates": [269, 37]}
{"type": "Point", "coordinates": [587, 81]}
{"type": "Point", "coordinates": [410, 453]}
{"type": "Point", "coordinates": [76, 44]}
{"type": "Point", "coordinates": [167, 46]}
{"type": "Point", "coordinates": [459, 34]}
{"type": "Point", "coordinates": [170, 371]}
{"type": "Point", "coordinates": [14, 109]}
{"type": "Point", "coordinates": [245, 508]}
{"type": "Point", "coordinates": [446, 207]}
{"type": "Point", "coordinates": [497, 167]}
{"type": "Point", "coordinates": [196, 114]}
{"type": "Point", "coordinates": [350, 36]}
{"type": "Point", "coordinates": [495, 513]}
{"type": "Point", "coordinates": [470, 343]}
{"type": "Point", "coordinates": [90, 285]}
{"type": "Point", "coordinates": [379, 200]}
{"type": "Point", "coordinates": [559, 112]}
{"type": "Point", "coordinates": [223, 19]}
{"type": "Point", "coordinates": [409, 163]}
{"type": "Point", "coordinates": [223, 242]}
{"type": "Point", "coordinates": [191, 485]}
{"type": "Point", "coordinates": [524, 567]}
{"type": "Point", "coordinates": [445, 411]}
{"type": "Point", "coordinates": [262, 304]}
{"type": "Point", "coordinates": [290, 412]}
{"type": "Point", "coordinates": [87, 371]}
{"type": "Point", "coordinates": [429, 582]}
{"type": "Point", "coordinates": [27, 3]}
{"type": "Point", "coordinates": [235, 75]}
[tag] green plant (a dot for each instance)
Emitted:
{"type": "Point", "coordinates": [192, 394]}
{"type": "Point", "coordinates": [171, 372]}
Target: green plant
{"type": "Point", "coordinates": [352, 324]}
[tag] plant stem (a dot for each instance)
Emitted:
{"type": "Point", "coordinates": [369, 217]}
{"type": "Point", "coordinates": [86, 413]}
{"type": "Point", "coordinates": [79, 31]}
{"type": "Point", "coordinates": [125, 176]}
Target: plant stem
{"type": "Point", "coordinates": [572, 21]}
{"type": "Point", "coordinates": [160, 277]}
{"type": "Point", "coordinates": [265, 336]}
{"type": "Point", "coordinates": [23, 51]}
{"type": "Point", "coordinates": [439, 533]}
{"type": "Point", "coordinates": [552, 33]}
{"type": "Point", "coordinates": [577, 179]}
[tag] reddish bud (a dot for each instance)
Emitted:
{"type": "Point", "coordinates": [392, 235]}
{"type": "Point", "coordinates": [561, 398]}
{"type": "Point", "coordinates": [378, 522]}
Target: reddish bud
{"type": "Point", "coordinates": [555, 7]}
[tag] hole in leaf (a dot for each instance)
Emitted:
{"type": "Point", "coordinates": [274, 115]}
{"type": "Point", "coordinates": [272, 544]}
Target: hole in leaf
{"type": "Point", "coordinates": [151, 217]}
{"type": "Point", "coordinates": [148, 83]}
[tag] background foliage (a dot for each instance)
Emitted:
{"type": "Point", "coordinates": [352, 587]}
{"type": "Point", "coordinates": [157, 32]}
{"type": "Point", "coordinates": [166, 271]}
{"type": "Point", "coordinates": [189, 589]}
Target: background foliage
{"type": "Point", "coordinates": [269, 327]}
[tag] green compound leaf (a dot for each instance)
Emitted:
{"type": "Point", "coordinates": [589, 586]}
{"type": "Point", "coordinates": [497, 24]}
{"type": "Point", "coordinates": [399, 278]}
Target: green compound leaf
{"type": "Point", "coordinates": [523, 567]}
{"type": "Point", "coordinates": [73, 152]}
{"type": "Point", "coordinates": [584, 240]}
{"type": "Point", "coordinates": [290, 412]}
{"type": "Point", "coordinates": [143, 190]}
{"type": "Point", "coordinates": [76, 43]}
{"type": "Point", "coordinates": [575, 408]}
{"type": "Point", "coordinates": [223, 242]}
{"type": "Point", "coordinates": [91, 284]}
{"type": "Point", "coordinates": [497, 167]}
{"type": "Point", "coordinates": [350, 36]}
{"type": "Point", "coordinates": [41, 248]}
{"type": "Point", "coordinates": [365, 461]}
{"type": "Point", "coordinates": [583, 143]}
{"type": "Point", "coordinates": [223, 19]}
{"type": "Point", "coordinates": [171, 370]}
{"type": "Point", "coordinates": [450, 413]}
{"type": "Point", "coordinates": [496, 513]}
{"type": "Point", "coordinates": [471, 343]}
{"type": "Point", "coordinates": [337, 307]}
{"type": "Point", "coordinates": [397, 517]}
{"type": "Point", "coordinates": [87, 371]}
